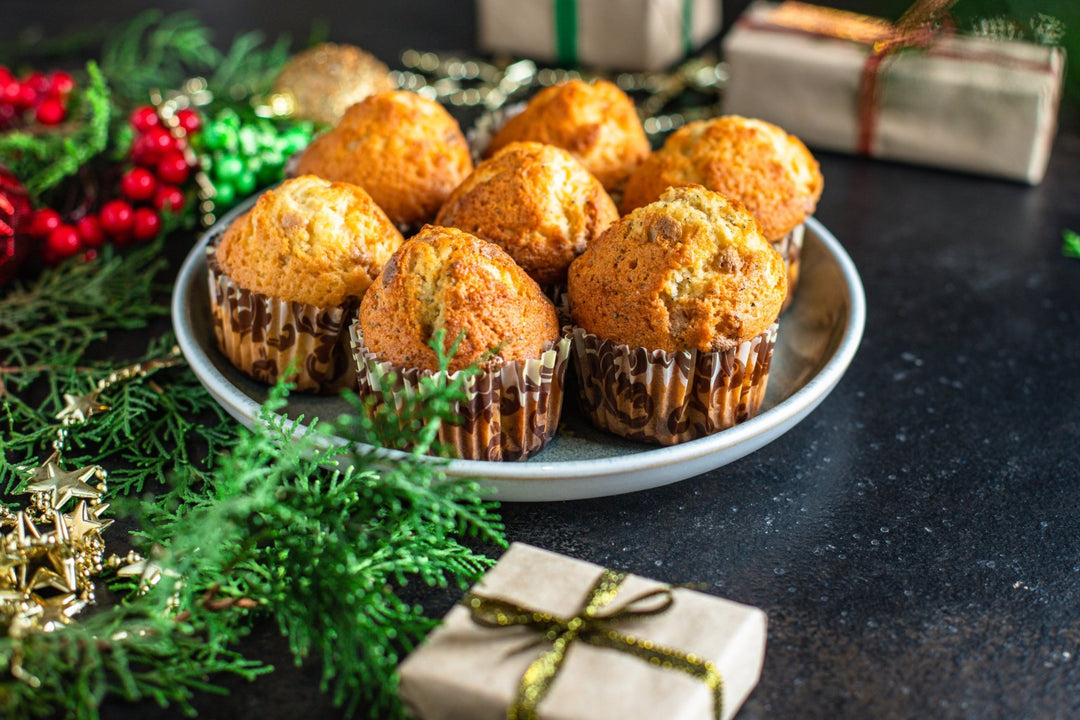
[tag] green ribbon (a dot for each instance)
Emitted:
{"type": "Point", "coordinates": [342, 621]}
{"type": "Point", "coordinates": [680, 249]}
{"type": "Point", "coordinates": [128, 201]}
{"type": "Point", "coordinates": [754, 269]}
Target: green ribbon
{"type": "Point", "coordinates": [594, 627]}
{"type": "Point", "coordinates": [687, 26]}
{"type": "Point", "coordinates": [566, 32]}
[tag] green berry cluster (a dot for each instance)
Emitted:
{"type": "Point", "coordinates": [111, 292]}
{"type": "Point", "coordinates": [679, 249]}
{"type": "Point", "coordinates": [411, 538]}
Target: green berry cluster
{"type": "Point", "coordinates": [241, 155]}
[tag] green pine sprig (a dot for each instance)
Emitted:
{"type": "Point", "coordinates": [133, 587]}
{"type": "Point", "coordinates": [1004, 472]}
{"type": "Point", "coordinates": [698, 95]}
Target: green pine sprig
{"type": "Point", "coordinates": [53, 322]}
{"type": "Point", "coordinates": [254, 524]}
{"type": "Point", "coordinates": [155, 51]}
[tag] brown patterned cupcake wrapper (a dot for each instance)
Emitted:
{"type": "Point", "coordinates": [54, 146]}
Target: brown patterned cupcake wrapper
{"type": "Point", "coordinates": [790, 248]}
{"type": "Point", "coordinates": [667, 398]}
{"type": "Point", "coordinates": [262, 336]}
{"type": "Point", "coordinates": [512, 410]}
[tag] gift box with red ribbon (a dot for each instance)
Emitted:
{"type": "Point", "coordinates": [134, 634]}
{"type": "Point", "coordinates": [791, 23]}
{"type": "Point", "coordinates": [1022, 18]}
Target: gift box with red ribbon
{"type": "Point", "coordinates": [914, 91]}
{"type": "Point", "coordinates": [546, 637]}
{"type": "Point", "coordinates": [608, 34]}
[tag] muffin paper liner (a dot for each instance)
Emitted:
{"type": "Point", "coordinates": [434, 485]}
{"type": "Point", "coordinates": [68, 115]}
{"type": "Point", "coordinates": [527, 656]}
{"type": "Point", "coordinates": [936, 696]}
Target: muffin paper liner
{"type": "Point", "coordinates": [790, 248]}
{"type": "Point", "coordinates": [512, 410]}
{"type": "Point", "coordinates": [667, 398]}
{"type": "Point", "coordinates": [261, 335]}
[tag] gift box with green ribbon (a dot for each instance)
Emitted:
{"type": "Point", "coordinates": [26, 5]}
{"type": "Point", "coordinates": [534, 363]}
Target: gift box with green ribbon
{"type": "Point", "coordinates": [546, 637]}
{"type": "Point", "coordinates": [916, 91]}
{"type": "Point", "coordinates": [606, 34]}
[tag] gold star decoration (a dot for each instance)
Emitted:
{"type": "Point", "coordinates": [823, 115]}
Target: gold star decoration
{"type": "Point", "coordinates": [84, 523]}
{"type": "Point", "coordinates": [67, 484]}
{"type": "Point", "coordinates": [45, 470]}
{"type": "Point", "coordinates": [80, 408]}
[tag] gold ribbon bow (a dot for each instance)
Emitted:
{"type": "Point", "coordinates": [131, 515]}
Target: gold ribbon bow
{"type": "Point", "coordinates": [595, 625]}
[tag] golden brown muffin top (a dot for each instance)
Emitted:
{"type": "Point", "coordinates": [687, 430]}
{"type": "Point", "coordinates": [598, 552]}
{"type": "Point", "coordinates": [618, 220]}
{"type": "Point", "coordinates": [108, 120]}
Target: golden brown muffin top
{"type": "Point", "coordinates": [770, 172]}
{"type": "Point", "coordinates": [536, 202]}
{"type": "Point", "coordinates": [690, 271]}
{"type": "Point", "coordinates": [407, 151]}
{"type": "Point", "coordinates": [310, 241]}
{"type": "Point", "coordinates": [447, 279]}
{"type": "Point", "coordinates": [596, 122]}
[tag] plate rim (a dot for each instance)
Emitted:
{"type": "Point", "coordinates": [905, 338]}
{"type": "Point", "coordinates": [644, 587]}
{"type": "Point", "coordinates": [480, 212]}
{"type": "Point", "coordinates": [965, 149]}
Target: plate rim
{"type": "Point", "coordinates": [589, 477]}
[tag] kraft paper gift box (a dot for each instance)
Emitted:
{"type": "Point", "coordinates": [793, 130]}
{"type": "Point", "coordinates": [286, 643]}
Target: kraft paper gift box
{"type": "Point", "coordinates": [546, 633]}
{"type": "Point", "coordinates": [965, 103]}
{"type": "Point", "coordinates": [610, 34]}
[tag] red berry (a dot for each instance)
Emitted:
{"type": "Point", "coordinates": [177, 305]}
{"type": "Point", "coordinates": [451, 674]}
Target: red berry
{"type": "Point", "coordinates": [138, 184]}
{"type": "Point", "coordinates": [9, 93]}
{"type": "Point", "coordinates": [116, 219]}
{"type": "Point", "coordinates": [160, 139]}
{"type": "Point", "coordinates": [147, 224]}
{"type": "Point", "coordinates": [189, 120]}
{"type": "Point", "coordinates": [60, 83]}
{"type": "Point", "coordinates": [38, 82]}
{"type": "Point", "coordinates": [50, 112]}
{"type": "Point", "coordinates": [152, 145]}
{"type": "Point", "coordinates": [169, 198]}
{"type": "Point", "coordinates": [89, 255]}
{"type": "Point", "coordinates": [5, 75]}
{"type": "Point", "coordinates": [173, 168]}
{"type": "Point", "coordinates": [45, 221]}
{"type": "Point", "coordinates": [64, 241]}
{"type": "Point", "coordinates": [28, 96]}
{"type": "Point", "coordinates": [144, 117]}
{"type": "Point", "coordinates": [91, 232]}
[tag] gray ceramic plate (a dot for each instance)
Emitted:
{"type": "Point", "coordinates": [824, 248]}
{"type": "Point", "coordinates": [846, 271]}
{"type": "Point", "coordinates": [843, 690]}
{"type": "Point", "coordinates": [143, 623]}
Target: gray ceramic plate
{"type": "Point", "coordinates": [818, 337]}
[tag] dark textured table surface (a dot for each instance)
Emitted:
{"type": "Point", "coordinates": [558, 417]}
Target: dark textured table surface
{"type": "Point", "coordinates": [915, 540]}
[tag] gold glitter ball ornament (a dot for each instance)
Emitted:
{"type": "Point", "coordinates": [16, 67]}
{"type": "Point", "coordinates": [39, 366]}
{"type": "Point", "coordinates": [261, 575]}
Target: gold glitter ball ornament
{"type": "Point", "coordinates": [325, 80]}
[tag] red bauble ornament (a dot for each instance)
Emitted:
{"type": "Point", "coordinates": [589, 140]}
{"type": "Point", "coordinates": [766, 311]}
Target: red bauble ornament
{"type": "Point", "coordinates": [15, 215]}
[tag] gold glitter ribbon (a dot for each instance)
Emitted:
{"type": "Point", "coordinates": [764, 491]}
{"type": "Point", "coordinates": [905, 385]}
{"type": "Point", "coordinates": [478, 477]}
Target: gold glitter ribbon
{"type": "Point", "coordinates": [595, 625]}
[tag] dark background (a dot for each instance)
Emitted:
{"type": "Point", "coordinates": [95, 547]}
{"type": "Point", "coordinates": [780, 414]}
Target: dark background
{"type": "Point", "coordinates": [915, 540]}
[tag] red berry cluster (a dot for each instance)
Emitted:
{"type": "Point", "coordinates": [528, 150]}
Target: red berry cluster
{"type": "Point", "coordinates": [151, 186]}
{"type": "Point", "coordinates": [36, 97]}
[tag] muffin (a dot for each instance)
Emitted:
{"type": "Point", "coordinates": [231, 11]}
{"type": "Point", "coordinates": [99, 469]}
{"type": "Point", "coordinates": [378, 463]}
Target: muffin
{"type": "Point", "coordinates": [675, 310]}
{"type": "Point", "coordinates": [537, 203]}
{"type": "Point", "coordinates": [770, 172]}
{"type": "Point", "coordinates": [597, 123]}
{"type": "Point", "coordinates": [405, 150]}
{"type": "Point", "coordinates": [286, 275]}
{"type": "Point", "coordinates": [446, 280]}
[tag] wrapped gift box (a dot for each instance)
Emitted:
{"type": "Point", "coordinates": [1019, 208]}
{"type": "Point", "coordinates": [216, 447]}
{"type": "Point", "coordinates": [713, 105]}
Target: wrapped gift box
{"type": "Point", "coordinates": [472, 668]}
{"type": "Point", "coordinates": [965, 103]}
{"type": "Point", "coordinates": [611, 34]}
